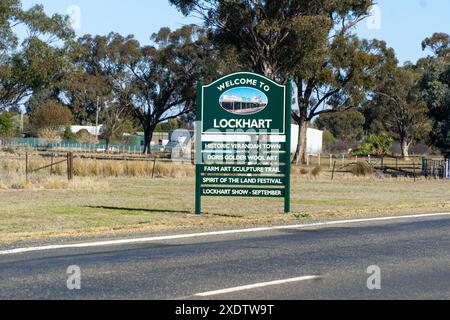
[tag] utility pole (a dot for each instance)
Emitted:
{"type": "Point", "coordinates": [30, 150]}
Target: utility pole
{"type": "Point", "coordinates": [21, 122]}
{"type": "Point", "coordinates": [96, 121]}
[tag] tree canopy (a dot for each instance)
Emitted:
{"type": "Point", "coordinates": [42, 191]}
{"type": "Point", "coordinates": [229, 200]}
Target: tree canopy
{"type": "Point", "coordinates": [29, 65]}
{"type": "Point", "coordinates": [401, 109]}
{"type": "Point", "coordinates": [349, 86]}
{"type": "Point", "coordinates": [347, 125]}
{"type": "Point", "coordinates": [161, 79]}
{"type": "Point", "coordinates": [50, 115]}
{"type": "Point", "coordinates": [436, 90]}
{"type": "Point", "coordinates": [311, 41]}
{"type": "Point", "coordinates": [6, 124]}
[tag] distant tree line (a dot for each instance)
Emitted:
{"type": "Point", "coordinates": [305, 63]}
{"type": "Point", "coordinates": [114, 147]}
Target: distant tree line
{"type": "Point", "coordinates": [352, 88]}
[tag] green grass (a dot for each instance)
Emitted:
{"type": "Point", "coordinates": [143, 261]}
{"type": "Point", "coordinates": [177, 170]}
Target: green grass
{"type": "Point", "coordinates": [151, 205]}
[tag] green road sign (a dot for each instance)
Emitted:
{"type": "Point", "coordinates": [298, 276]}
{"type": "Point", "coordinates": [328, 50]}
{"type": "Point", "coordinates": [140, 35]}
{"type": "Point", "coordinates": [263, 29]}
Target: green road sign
{"type": "Point", "coordinates": [243, 158]}
{"type": "Point", "coordinates": [243, 146]}
{"type": "Point", "coordinates": [242, 192]}
{"type": "Point", "coordinates": [243, 102]}
{"type": "Point", "coordinates": [242, 169]}
{"type": "Point", "coordinates": [243, 138]}
{"type": "Point", "coordinates": [244, 180]}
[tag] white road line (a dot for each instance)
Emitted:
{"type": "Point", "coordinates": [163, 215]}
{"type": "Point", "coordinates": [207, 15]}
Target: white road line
{"type": "Point", "coordinates": [209, 234]}
{"type": "Point", "coordinates": [255, 286]}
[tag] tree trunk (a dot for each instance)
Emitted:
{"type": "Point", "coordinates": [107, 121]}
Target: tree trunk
{"type": "Point", "coordinates": [148, 136]}
{"type": "Point", "coordinates": [267, 70]}
{"type": "Point", "coordinates": [300, 154]}
{"type": "Point", "coordinates": [405, 149]}
{"type": "Point", "coordinates": [108, 143]}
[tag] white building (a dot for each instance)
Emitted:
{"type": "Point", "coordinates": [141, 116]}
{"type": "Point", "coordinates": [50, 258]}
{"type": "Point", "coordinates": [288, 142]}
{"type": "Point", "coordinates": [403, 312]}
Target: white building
{"type": "Point", "coordinates": [314, 140]}
{"type": "Point", "coordinates": [96, 131]}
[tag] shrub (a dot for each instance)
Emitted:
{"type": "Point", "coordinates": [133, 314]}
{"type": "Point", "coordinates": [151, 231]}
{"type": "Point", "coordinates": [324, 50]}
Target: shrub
{"type": "Point", "coordinates": [50, 135]}
{"type": "Point", "coordinates": [69, 135]}
{"type": "Point", "coordinates": [50, 114]}
{"type": "Point", "coordinates": [375, 144]}
{"type": "Point", "coordinates": [9, 150]}
{"type": "Point", "coordinates": [21, 185]}
{"type": "Point", "coordinates": [316, 171]}
{"type": "Point", "coordinates": [6, 125]}
{"type": "Point", "coordinates": [362, 169]}
{"type": "Point", "coordinates": [83, 136]}
{"type": "Point", "coordinates": [304, 171]}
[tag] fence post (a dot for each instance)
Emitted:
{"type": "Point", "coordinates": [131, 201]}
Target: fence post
{"type": "Point", "coordinates": [51, 165]}
{"type": "Point", "coordinates": [70, 168]}
{"type": "Point", "coordinates": [26, 165]}
{"type": "Point", "coordinates": [334, 169]}
{"type": "Point", "coordinates": [448, 168]}
{"type": "Point", "coordinates": [154, 167]}
{"type": "Point", "coordinates": [432, 168]}
{"type": "Point", "coordinates": [424, 167]}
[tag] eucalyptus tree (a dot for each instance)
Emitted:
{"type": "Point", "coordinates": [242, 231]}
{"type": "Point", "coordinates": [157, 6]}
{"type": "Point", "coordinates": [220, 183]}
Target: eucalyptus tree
{"type": "Point", "coordinates": [435, 86]}
{"type": "Point", "coordinates": [311, 41]}
{"type": "Point", "coordinates": [151, 83]}
{"type": "Point", "coordinates": [347, 126]}
{"type": "Point", "coordinates": [399, 103]}
{"type": "Point", "coordinates": [30, 65]}
{"type": "Point", "coordinates": [89, 85]}
{"type": "Point", "coordinates": [162, 78]}
{"type": "Point", "coordinates": [439, 44]}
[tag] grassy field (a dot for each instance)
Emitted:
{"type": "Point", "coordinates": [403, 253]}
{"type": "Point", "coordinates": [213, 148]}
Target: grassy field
{"type": "Point", "coordinates": [123, 205]}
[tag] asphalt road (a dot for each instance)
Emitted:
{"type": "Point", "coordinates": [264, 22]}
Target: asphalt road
{"type": "Point", "coordinates": [413, 256]}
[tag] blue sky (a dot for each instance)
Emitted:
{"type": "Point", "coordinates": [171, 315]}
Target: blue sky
{"type": "Point", "coordinates": [402, 23]}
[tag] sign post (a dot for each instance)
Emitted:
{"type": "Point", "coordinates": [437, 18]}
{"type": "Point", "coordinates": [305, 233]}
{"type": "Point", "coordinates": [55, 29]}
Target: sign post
{"type": "Point", "coordinates": [198, 153]}
{"type": "Point", "coordinates": [243, 139]}
{"type": "Point", "coordinates": [287, 198]}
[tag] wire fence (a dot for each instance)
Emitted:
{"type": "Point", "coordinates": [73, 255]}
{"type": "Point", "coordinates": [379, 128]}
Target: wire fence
{"type": "Point", "coordinates": [34, 165]}
{"type": "Point", "coordinates": [413, 166]}
{"type": "Point", "coordinates": [386, 164]}
{"type": "Point", "coordinates": [436, 168]}
{"type": "Point", "coordinates": [69, 146]}
{"type": "Point", "coordinates": [379, 161]}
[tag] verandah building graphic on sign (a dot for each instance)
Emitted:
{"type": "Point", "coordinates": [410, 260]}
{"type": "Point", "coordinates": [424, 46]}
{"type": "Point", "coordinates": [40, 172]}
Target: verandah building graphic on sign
{"type": "Point", "coordinates": [243, 138]}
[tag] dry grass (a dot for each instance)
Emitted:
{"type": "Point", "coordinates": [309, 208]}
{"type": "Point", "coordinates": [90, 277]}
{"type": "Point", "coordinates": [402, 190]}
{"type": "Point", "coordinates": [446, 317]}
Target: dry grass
{"type": "Point", "coordinates": [98, 168]}
{"type": "Point", "coordinates": [51, 135]}
{"type": "Point", "coordinates": [15, 162]}
{"type": "Point", "coordinates": [115, 197]}
{"type": "Point", "coordinates": [39, 182]}
{"type": "Point", "coordinates": [316, 171]}
{"type": "Point", "coordinates": [106, 168]}
{"type": "Point", "coordinates": [361, 169]}
{"type": "Point", "coordinates": [125, 205]}
{"type": "Point", "coordinates": [298, 170]}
